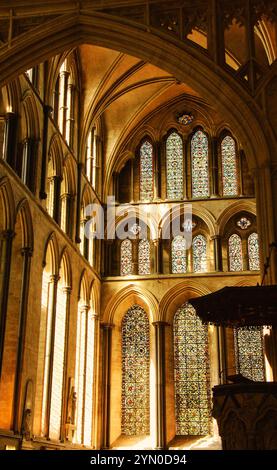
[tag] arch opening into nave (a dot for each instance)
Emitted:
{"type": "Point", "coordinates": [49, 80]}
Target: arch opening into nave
{"type": "Point", "coordinates": [87, 114]}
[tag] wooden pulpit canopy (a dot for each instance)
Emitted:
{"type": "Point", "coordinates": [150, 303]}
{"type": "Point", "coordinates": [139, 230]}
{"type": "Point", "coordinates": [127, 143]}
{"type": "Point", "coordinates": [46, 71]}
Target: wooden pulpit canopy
{"type": "Point", "coordinates": [239, 306]}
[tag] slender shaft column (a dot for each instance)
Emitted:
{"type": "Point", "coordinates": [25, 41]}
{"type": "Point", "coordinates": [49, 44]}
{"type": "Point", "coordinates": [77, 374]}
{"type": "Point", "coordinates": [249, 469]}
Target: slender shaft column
{"type": "Point", "coordinates": [106, 385]}
{"type": "Point", "coordinates": [216, 45]}
{"type": "Point", "coordinates": [70, 118]}
{"type": "Point", "coordinates": [47, 110]}
{"type": "Point", "coordinates": [6, 238]}
{"type": "Point", "coordinates": [78, 203]}
{"type": "Point", "coordinates": [160, 383]}
{"type": "Point", "coordinates": [9, 145]}
{"type": "Point", "coordinates": [67, 293]}
{"type": "Point", "coordinates": [64, 75]}
{"type": "Point", "coordinates": [217, 252]}
{"type": "Point", "coordinates": [52, 309]}
{"type": "Point", "coordinates": [214, 179]}
{"type": "Point", "coordinates": [250, 41]}
{"type": "Point", "coordinates": [222, 359]}
{"type": "Point", "coordinates": [95, 361]}
{"type": "Point", "coordinates": [26, 253]}
{"type": "Point", "coordinates": [157, 253]}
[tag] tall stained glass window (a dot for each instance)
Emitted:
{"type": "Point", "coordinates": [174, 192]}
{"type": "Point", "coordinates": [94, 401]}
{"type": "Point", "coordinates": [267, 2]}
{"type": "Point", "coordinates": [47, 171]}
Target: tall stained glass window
{"type": "Point", "coordinates": [178, 255]}
{"type": "Point", "coordinates": [144, 261]}
{"type": "Point", "coordinates": [126, 258]}
{"type": "Point", "coordinates": [146, 172]}
{"type": "Point", "coordinates": [229, 166]}
{"type": "Point", "coordinates": [199, 251]}
{"type": "Point", "coordinates": [174, 166]}
{"type": "Point", "coordinates": [249, 352]}
{"type": "Point", "coordinates": [235, 253]}
{"type": "Point", "coordinates": [200, 165]}
{"type": "Point", "coordinates": [253, 252]}
{"type": "Point", "coordinates": [135, 372]}
{"type": "Point", "coordinates": [191, 373]}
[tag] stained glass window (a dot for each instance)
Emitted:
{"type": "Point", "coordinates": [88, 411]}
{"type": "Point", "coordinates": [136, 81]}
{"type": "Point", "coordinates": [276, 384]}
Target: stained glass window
{"type": "Point", "coordinates": [144, 261]}
{"type": "Point", "coordinates": [178, 255]}
{"type": "Point", "coordinates": [253, 252]}
{"type": "Point", "coordinates": [146, 172]}
{"type": "Point", "coordinates": [174, 166]}
{"type": "Point", "coordinates": [235, 253]}
{"type": "Point", "coordinates": [199, 250]}
{"type": "Point", "coordinates": [135, 372]}
{"type": "Point", "coordinates": [191, 373]}
{"type": "Point", "coordinates": [229, 166]}
{"type": "Point", "coordinates": [126, 258]}
{"type": "Point", "coordinates": [243, 223]}
{"type": "Point", "coordinates": [249, 352]}
{"type": "Point", "coordinates": [200, 165]}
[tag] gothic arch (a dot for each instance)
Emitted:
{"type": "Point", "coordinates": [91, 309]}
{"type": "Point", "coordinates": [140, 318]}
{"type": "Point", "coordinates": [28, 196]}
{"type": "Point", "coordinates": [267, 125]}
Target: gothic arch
{"type": "Point", "coordinates": [127, 297]}
{"type": "Point", "coordinates": [177, 296]}
{"type": "Point", "coordinates": [233, 209]}
{"type": "Point", "coordinates": [8, 204]}
{"type": "Point", "coordinates": [23, 211]}
{"type": "Point", "coordinates": [84, 288]}
{"type": "Point", "coordinates": [53, 247]}
{"type": "Point", "coordinates": [56, 152]}
{"type": "Point", "coordinates": [99, 29]}
{"type": "Point", "coordinates": [65, 266]}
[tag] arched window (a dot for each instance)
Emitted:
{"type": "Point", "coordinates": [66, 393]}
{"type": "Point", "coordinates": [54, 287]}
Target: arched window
{"type": "Point", "coordinates": [126, 258]}
{"type": "Point", "coordinates": [84, 374]}
{"type": "Point", "coordinates": [229, 166]}
{"type": "Point", "coordinates": [253, 252]}
{"type": "Point", "coordinates": [91, 157]}
{"type": "Point", "coordinates": [200, 165]}
{"type": "Point", "coordinates": [146, 172]}
{"type": "Point", "coordinates": [135, 372]}
{"type": "Point", "coordinates": [191, 373]}
{"type": "Point", "coordinates": [199, 252]}
{"type": "Point", "coordinates": [64, 102]}
{"type": "Point", "coordinates": [144, 259]}
{"type": "Point", "coordinates": [178, 255]}
{"type": "Point", "coordinates": [249, 352]}
{"type": "Point", "coordinates": [174, 166]}
{"type": "Point", "coordinates": [235, 253]}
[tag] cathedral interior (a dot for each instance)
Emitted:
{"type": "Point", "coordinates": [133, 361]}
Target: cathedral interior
{"type": "Point", "coordinates": [168, 106]}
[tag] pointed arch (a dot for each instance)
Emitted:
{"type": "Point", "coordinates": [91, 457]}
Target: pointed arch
{"type": "Point", "coordinates": [52, 247]}
{"type": "Point", "coordinates": [127, 297]}
{"type": "Point", "coordinates": [8, 204]}
{"type": "Point", "coordinates": [24, 212]}
{"type": "Point", "coordinates": [178, 295]}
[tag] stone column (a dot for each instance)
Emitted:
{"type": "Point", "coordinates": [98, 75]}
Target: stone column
{"type": "Point", "coordinates": [160, 383]}
{"type": "Point", "coordinates": [106, 385]}
{"type": "Point", "coordinates": [10, 132]}
{"type": "Point", "coordinates": [6, 238]}
{"type": "Point", "coordinates": [217, 252]}
{"type": "Point", "coordinates": [64, 75]}
{"type": "Point", "coordinates": [214, 175]}
{"type": "Point", "coordinates": [216, 45]}
{"type": "Point", "coordinates": [67, 293]}
{"type": "Point", "coordinates": [222, 359]}
{"type": "Point", "coordinates": [156, 244]}
{"type": "Point", "coordinates": [47, 110]}
{"type": "Point", "coordinates": [78, 202]}
{"type": "Point", "coordinates": [85, 310]}
{"type": "Point", "coordinates": [95, 359]}
{"type": "Point", "coordinates": [54, 279]}
{"type": "Point", "coordinates": [65, 212]}
{"type": "Point", "coordinates": [56, 182]}
{"type": "Point", "coordinates": [26, 254]}
{"type": "Point", "coordinates": [70, 118]}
